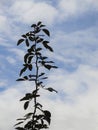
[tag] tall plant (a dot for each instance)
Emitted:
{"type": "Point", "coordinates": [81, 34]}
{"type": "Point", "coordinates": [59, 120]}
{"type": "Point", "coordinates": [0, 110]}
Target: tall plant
{"type": "Point", "coordinates": [35, 41]}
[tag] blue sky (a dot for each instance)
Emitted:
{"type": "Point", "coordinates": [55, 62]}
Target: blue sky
{"type": "Point", "coordinates": [74, 36]}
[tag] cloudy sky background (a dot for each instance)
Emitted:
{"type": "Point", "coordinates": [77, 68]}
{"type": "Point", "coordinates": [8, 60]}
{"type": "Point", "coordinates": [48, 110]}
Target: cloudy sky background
{"type": "Point", "coordinates": [74, 36]}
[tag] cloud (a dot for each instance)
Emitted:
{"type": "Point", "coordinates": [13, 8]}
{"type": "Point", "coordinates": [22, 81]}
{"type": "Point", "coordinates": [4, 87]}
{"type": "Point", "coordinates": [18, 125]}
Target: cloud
{"type": "Point", "coordinates": [31, 11]}
{"type": "Point", "coordinates": [76, 47]}
{"type": "Point", "coordinates": [75, 106]}
{"type": "Point", "coordinates": [18, 52]}
{"type": "Point", "coordinates": [70, 8]}
{"type": "Point", "coordinates": [79, 113]}
{"type": "Point", "coordinates": [11, 60]}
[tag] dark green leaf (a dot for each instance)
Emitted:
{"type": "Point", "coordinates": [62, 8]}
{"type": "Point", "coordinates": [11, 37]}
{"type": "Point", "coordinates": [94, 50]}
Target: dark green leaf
{"type": "Point", "coordinates": [31, 49]}
{"type": "Point", "coordinates": [38, 104]}
{"type": "Point", "coordinates": [31, 38]}
{"type": "Point", "coordinates": [47, 46]}
{"type": "Point", "coordinates": [42, 25]}
{"type": "Point", "coordinates": [20, 79]}
{"type": "Point", "coordinates": [39, 40]}
{"type": "Point", "coordinates": [38, 49]}
{"type": "Point", "coordinates": [30, 59]}
{"type": "Point", "coordinates": [25, 77]}
{"type": "Point", "coordinates": [51, 89]}
{"type": "Point", "coordinates": [33, 25]}
{"type": "Point", "coordinates": [21, 119]}
{"type": "Point", "coordinates": [38, 53]}
{"type": "Point", "coordinates": [48, 66]}
{"type": "Point", "coordinates": [24, 36]}
{"type": "Point", "coordinates": [44, 78]}
{"type": "Point", "coordinates": [32, 79]}
{"type": "Point", "coordinates": [39, 83]}
{"type": "Point", "coordinates": [32, 76]}
{"type": "Point", "coordinates": [30, 67]}
{"type": "Point", "coordinates": [26, 104]}
{"type": "Point", "coordinates": [28, 115]}
{"type": "Point", "coordinates": [27, 56]}
{"type": "Point", "coordinates": [18, 123]}
{"type": "Point", "coordinates": [39, 23]}
{"type": "Point", "coordinates": [54, 67]}
{"type": "Point", "coordinates": [28, 34]}
{"type": "Point", "coordinates": [19, 128]}
{"type": "Point", "coordinates": [47, 116]}
{"type": "Point", "coordinates": [45, 42]}
{"type": "Point", "coordinates": [27, 97]}
{"type": "Point", "coordinates": [41, 74]}
{"type": "Point", "coordinates": [20, 41]}
{"type": "Point", "coordinates": [49, 62]}
{"type": "Point", "coordinates": [47, 113]}
{"type": "Point", "coordinates": [23, 70]}
{"type": "Point", "coordinates": [46, 31]}
{"type": "Point", "coordinates": [27, 43]}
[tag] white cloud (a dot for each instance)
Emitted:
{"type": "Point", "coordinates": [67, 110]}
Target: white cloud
{"type": "Point", "coordinates": [18, 52]}
{"type": "Point", "coordinates": [81, 114]}
{"type": "Point", "coordinates": [78, 47]}
{"type": "Point", "coordinates": [33, 11]}
{"type": "Point", "coordinates": [11, 60]}
{"type": "Point", "coordinates": [76, 7]}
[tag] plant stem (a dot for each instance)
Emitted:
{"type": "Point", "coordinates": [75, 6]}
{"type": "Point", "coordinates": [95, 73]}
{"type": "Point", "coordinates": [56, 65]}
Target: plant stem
{"type": "Point", "coordinates": [36, 80]}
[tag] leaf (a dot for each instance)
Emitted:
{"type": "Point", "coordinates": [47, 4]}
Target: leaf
{"type": "Point", "coordinates": [18, 123]}
{"type": "Point", "coordinates": [47, 113]}
{"type": "Point", "coordinates": [27, 43]}
{"type": "Point", "coordinates": [41, 74]}
{"type": "Point", "coordinates": [24, 36]}
{"type": "Point", "coordinates": [46, 32]}
{"type": "Point", "coordinates": [54, 67]}
{"type": "Point", "coordinates": [28, 34]}
{"type": "Point", "coordinates": [32, 76]}
{"type": "Point", "coordinates": [47, 46]}
{"type": "Point", "coordinates": [42, 25]}
{"type": "Point", "coordinates": [39, 40]}
{"type": "Point", "coordinates": [20, 41]}
{"type": "Point", "coordinates": [26, 104]}
{"type": "Point", "coordinates": [27, 97]}
{"type": "Point", "coordinates": [38, 104]}
{"type": "Point", "coordinates": [31, 38]}
{"type": "Point", "coordinates": [38, 49]}
{"type": "Point", "coordinates": [49, 62]}
{"type": "Point", "coordinates": [20, 79]}
{"type": "Point", "coordinates": [26, 56]}
{"type": "Point", "coordinates": [30, 67]}
{"type": "Point", "coordinates": [44, 78]}
{"type": "Point", "coordinates": [47, 116]}
{"type": "Point", "coordinates": [31, 49]}
{"type": "Point", "coordinates": [39, 23]}
{"type": "Point", "coordinates": [19, 128]}
{"type": "Point", "coordinates": [45, 42]}
{"type": "Point", "coordinates": [48, 66]}
{"type": "Point", "coordinates": [23, 70]}
{"type": "Point", "coordinates": [51, 89]}
{"type": "Point", "coordinates": [33, 25]}
{"type": "Point", "coordinates": [25, 77]}
{"type": "Point", "coordinates": [30, 59]}
{"type": "Point", "coordinates": [21, 119]}
{"type": "Point", "coordinates": [39, 83]}
{"type": "Point", "coordinates": [28, 115]}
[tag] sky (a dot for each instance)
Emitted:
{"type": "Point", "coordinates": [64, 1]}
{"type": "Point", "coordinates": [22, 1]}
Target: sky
{"type": "Point", "coordinates": [73, 25]}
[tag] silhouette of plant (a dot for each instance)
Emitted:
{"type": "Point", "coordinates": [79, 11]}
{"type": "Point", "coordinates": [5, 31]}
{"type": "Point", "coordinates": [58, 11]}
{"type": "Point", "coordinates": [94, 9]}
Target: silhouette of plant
{"type": "Point", "coordinates": [34, 60]}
